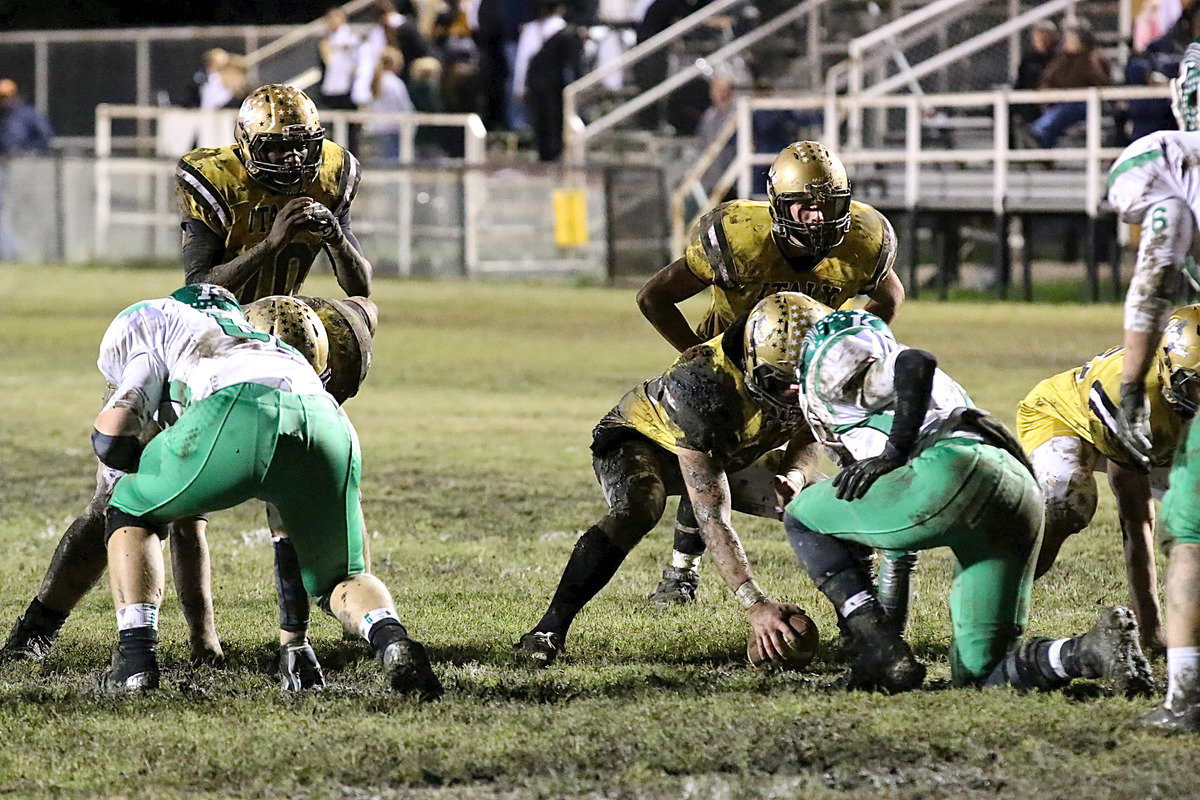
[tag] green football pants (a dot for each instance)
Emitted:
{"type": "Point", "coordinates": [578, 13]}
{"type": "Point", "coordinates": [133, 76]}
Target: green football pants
{"type": "Point", "coordinates": [1181, 503]}
{"type": "Point", "coordinates": [975, 499]}
{"type": "Point", "coordinates": [296, 451]}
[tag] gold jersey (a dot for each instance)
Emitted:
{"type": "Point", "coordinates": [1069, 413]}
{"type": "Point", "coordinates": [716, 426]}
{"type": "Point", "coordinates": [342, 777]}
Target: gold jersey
{"type": "Point", "coordinates": [701, 403]}
{"type": "Point", "coordinates": [732, 249]}
{"type": "Point", "coordinates": [214, 188]}
{"type": "Point", "coordinates": [1062, 403]}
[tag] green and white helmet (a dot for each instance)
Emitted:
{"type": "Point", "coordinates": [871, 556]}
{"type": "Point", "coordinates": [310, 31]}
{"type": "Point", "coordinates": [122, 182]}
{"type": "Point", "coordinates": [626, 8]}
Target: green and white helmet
{"type": "Point", "coordinates": [208, 297]}
{"type": "Point", "coordinates": [1185, 90]}
{"type": "Point", "coordinates": [828, 327]}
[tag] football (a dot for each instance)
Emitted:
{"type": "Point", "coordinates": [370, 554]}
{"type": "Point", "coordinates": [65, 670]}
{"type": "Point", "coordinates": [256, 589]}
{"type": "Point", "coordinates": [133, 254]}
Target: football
{"type": "Point", "coordinates": [797, 656]}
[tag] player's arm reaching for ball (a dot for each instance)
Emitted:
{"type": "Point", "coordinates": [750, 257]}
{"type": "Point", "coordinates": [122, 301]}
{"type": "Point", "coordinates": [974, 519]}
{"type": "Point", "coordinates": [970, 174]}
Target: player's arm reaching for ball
{"type": "Point", "coordinates": [1167, 233]}
{"type": "Point", "coordinates": [1135, 512]}
{"type": "Point", "coordinates": [708, 489]}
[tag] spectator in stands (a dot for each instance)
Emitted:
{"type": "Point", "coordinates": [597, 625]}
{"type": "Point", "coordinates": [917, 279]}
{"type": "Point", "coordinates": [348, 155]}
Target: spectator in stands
{"type": "Point", "coordinates": [392, 28]}
{"type": "Point", "coordinates": [452, 35]}
{"type": "Point", "coordinates": [496, 33]}
{"type": "Point", "coordinates": [23, 129]}
{"type": "Point", "coordinates": [425, 90]}
{"type": "Point", "coordinates": [556, 63]}
{"type": "Point", "coordinates": [1179, 35]}
{"type": "Point", "coordinates": [1043, 40]}
{"type": "Point", "coordinates": [534, 34]}
{"type": "Point", "coordinates": [720, 93]}
{"type": "Point", "coordinates": [389, 95]}
{"type": "Point", "coordinates": [210, 86]}
{"type": "Point", "coordinates": [1136, 118]}
{"type": "Point", "coordinates": [1078, 64]}
{"type": "Point", "coordinates": [339, 50]}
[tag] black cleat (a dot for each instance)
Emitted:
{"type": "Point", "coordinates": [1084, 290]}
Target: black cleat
{"type": "Point", "coordinates": [123, 678]}
{"type": "Point", "coordinates": [299, 669]}
{"type": "Point", "coordinates": [1110, 651]}
{"type": "Point", "coordinates": [538, 648]}
{"type": "Point", "coordinates": [1186, 720]}
{"type": "Point", "coordinates": [26, 642]}
{"type": "Point", "coordinates": [678, 587]}
{"type": "Point", "coordinates": [886, 665]}
{"type": "Point", "coordinates": [409, 671]}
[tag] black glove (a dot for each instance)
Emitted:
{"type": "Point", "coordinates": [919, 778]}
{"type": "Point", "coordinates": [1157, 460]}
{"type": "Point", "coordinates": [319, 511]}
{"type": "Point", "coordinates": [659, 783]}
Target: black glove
{"type": "Point", "coordinates": [853, 482]}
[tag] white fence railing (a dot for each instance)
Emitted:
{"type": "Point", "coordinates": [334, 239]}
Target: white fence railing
{"type": "Point", "coordinates": [153, 211]}
{"type": "Point", "coordinates": [919, 169]}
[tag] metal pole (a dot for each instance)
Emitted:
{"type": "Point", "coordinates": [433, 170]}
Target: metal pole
{"type": "Point", "coordinates": [475, 155]}
{"type": "Point", "coordinates": [142, 85]}
{"type": "Point", "coordinates": [745, 148]}
{"type": "Point", "coordinates": [41, 75]}
{"type": "Point", "coordinates": [912, 153]}
{"type": "Point", "coordinates": [103, 179]}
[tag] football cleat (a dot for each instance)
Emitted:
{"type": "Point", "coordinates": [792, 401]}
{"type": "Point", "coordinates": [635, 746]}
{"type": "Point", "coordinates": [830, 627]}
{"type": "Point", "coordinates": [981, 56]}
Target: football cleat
{"type": "Point", "coordinates": [408, 669]}
{"type": "Point", "coordinates": [678, 587]}
{"type": "Point", "coordinates": [1110, 651]}
{"type": "Point", "coordinates": [1186, 720]}
{"type": "Point", "coordinates": [299, 669]}
{"type": "Point", "coordinates": [885, 666]}
{"type": "Point", "coordinates": [124, 678]}
{"type": "Point", "coordinates": [538, 648]}
{"type": "Point", "coordinates": [26, 642]}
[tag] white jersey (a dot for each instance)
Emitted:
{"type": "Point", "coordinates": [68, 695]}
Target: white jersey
{"type": "Point", "coordinates": [1164, 165]}
{"type": "Point", "coordinates": [161, 355]}
{"type": "Point", "coordinates": [849, 388]}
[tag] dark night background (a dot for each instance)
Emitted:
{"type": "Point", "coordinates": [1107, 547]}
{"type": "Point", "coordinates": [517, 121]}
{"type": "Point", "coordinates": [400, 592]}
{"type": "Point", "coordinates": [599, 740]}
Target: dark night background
{"type": "Point", "coordinates": [29, 14]}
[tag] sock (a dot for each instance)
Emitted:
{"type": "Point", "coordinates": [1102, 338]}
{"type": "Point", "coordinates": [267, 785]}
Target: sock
{"type": "Point", "coordinates": [44, 619]}
{"type": "Point", "coordinates": [892, 586]}
{"type": "Point", "coordinates": [1029, 665]}
{"type": "Point", "coordinates": [593, 562]}
{"type": "Point", "coordinates": [685, 562]}
{"type": "Point", "coordinates": [1183, 677]}
{"type": "Point", "coordinates": [832, 565]}
{"type": "Point", "coordinates": [289, 588]}
{"type": "Point", "coordinates": [138, 636]}
{"type": "Point", "coordinates": [381, 628]}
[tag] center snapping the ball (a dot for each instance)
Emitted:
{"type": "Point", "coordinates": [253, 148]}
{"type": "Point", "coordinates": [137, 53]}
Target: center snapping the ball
{"type": "Point", "coordinates": [796, 656]}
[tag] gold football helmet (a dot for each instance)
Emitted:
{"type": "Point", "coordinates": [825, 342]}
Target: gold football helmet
{"type": "Point", "coordinates": [772, 340]}
{"type": "Point", "coordinates": [809, 197]}
{"type": "Point", "coordinates": [279, 136]}
{"type": "Point", "coordinates": [295, 324]}
{"type": "Point", "coordinates": [1179, 361]}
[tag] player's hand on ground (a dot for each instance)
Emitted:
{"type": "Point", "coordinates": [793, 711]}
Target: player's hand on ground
{"type": "Point", "coordinates": [1133, 425]}
{"type": "Point", "coordinates": [291, 220]}
{"type": "Point", "coordinates": [321, 221]}
{"type": "Point", "coordinates": [207, 652]}
{"type": "Point", "coordinates": [853, 482]}
{"type": "Point", "coordinates": [768, 619]}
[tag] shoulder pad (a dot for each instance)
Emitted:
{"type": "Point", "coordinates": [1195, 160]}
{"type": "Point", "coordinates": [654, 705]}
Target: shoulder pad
{"type": "Point", "coordinates": [201, 176]}
{"type": "Point", "coordinates": [870, 244]}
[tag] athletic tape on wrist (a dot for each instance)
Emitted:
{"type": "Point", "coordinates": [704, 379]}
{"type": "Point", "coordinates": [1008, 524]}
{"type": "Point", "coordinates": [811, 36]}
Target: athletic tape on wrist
{"type": "Point", "coordinates": [748, 594]}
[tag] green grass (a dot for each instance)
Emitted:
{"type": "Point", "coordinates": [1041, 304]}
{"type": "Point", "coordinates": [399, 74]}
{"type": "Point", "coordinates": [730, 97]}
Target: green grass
{"type": "Point", "coordinates": [475, 425]}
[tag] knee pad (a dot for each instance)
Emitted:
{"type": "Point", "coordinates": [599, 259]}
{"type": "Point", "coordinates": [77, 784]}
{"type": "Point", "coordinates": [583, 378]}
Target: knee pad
{"type": "Point", "coordinates": [116, 518]}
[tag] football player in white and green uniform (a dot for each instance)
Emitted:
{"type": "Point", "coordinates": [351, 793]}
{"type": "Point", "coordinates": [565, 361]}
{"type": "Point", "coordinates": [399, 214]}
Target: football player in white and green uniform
{"type": "Point", "coordinates": [1154, 183]}
{"type": "Point", "coordinates": [923, 468]}
{"type": "Point", "coordinates": [255, 422]}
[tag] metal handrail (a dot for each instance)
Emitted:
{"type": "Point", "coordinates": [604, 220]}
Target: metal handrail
{"type": "Point", "coordinates": [298, 34]}
{"type": "Point", "coordinates": [185, 32]}
{"type": "Point", "coordinates": [703, 163]}
{"type": "Point", "coordinates": [579, 133]}
{"type": "Point", "coordinates": [914, 154]}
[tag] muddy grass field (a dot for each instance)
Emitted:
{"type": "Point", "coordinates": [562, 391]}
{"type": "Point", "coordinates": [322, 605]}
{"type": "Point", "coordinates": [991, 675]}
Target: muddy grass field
{"type": "Point", "coordinates": [475, 424]}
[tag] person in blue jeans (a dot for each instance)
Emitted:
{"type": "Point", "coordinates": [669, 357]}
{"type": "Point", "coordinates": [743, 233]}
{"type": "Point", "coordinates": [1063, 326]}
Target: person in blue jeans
{"type": "Point", "coordinates": [1078, 64]}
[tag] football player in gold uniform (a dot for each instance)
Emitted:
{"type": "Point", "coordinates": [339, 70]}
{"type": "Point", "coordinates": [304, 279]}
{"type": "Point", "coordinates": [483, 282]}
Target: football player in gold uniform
{"type": "Point", "coordinates": [255, 216]}
{"type": "Point", "coordinates": [1066, 426]}
{"type": "Point", "coordinates": [709, 427]}
{"type": "Point", "coordinates": [811, 237]}
{"type": "Point", "coordinates": [257, 213]}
